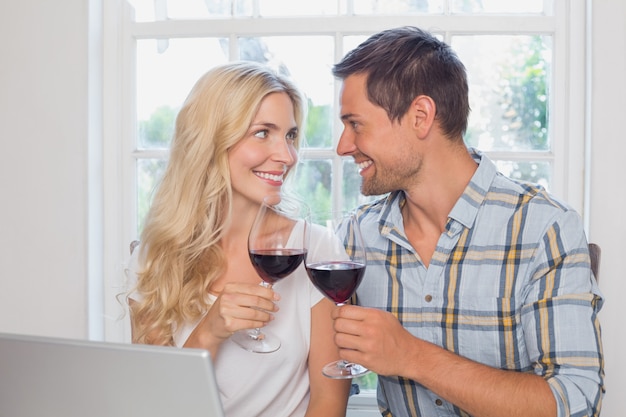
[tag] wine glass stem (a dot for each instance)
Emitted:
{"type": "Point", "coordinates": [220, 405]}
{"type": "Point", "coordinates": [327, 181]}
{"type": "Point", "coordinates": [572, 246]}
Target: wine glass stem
{"type": "Point", "coordinates": [342, 363]}
{"type": "Point", "coordinates": [256, 332]}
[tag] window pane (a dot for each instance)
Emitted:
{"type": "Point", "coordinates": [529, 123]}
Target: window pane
{"type": "Point", "coordinates": [144, 10]}
{"type": "Point", "coordinates": [166, 71]}
{"type": "Point", "coordinates": [500, 6]}
{"type": "Point", "coordinates": [149, 172]}
{"type": "Point", "coordinates": [152, 10]}
{"type": "Point", "coordinates": [509, 83]}
{"type": "Point", "coordinates": [351, 42]}
{"type": "Point", "coordinates": [535, 172]}
{"type": "Point", "coordinates": [218, 8]}
{"type": "Point", "coordinates": [397, 6]}
{"type": "Point", "coordinates": [297, 8]}
{"type": "Point", "coordinates": [308, 60]}
{"type": "Point", "coordinates": [312, 182]}
{"type": "Point", "coordinates": [367, 383]}
{"type": "Point", "coordinates": [351, 186]}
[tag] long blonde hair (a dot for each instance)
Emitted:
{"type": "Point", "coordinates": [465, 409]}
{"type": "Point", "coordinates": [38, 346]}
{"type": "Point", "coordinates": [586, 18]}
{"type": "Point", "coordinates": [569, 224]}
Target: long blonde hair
{"type": "Point", "coordinates": [180, 254]}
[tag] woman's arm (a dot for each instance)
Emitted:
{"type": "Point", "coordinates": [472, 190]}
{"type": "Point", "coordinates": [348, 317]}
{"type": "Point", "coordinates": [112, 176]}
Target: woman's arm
{"type": "Point", "coordinates": [329, 397]}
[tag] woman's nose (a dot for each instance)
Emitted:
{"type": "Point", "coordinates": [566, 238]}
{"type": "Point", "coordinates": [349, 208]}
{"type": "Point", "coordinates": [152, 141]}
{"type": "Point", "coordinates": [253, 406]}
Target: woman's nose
{"type": "Point", "coordinates": [285, 153]}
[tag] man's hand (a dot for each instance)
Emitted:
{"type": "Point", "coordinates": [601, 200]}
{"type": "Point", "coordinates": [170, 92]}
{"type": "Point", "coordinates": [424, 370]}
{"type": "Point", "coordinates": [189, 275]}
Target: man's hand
{"type": "Point", "coordinates": [373, 338]}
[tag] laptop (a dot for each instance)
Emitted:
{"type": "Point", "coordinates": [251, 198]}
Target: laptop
{"type": "Point", "coordinates": [42, 376]}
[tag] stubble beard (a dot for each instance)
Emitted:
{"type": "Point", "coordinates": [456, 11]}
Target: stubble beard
{"type": "Point", "coordinates": [404, 173]}
{"type": "Point", "coordinates": [374, 186]}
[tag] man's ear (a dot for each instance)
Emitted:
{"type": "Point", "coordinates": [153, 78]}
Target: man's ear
{"type": "Point", "coordinates": [422, 115]}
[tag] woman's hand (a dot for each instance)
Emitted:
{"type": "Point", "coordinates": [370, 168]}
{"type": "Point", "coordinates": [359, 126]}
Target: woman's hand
{"type": "Point", "coordinates": [239, 306]}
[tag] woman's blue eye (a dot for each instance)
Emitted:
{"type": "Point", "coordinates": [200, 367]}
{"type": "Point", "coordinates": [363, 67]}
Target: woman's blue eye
{"type": "Point", "coordinates": [261, 134]}
{"type": "Point", "coordinates": [292, 135]}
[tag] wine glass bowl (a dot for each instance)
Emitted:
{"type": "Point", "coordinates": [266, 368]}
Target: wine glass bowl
{"type": "Point", "coordinates": [276, 246]}
{"type": "Point", "coordinates": [336, 268]}
{"type": "Point", "coordinates": [337, 280]}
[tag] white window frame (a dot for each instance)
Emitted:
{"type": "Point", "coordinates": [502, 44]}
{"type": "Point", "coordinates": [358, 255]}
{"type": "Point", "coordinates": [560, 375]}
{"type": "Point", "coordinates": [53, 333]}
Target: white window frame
{"type": "Point", "coordinates": [569, 117]}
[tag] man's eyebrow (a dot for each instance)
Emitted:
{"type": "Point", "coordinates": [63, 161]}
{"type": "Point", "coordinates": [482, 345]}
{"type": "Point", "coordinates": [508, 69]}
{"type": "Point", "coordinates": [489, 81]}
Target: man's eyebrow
{"type": "Point", "coordinates": [347, 116]}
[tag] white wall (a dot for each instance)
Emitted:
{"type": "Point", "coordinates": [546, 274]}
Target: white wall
{"type": "Point", "coordinates": [608, 190]}
{"type": "Point", "coordinates": [43, 168]}
{"type": "Point", "coordinates": [44, 233]}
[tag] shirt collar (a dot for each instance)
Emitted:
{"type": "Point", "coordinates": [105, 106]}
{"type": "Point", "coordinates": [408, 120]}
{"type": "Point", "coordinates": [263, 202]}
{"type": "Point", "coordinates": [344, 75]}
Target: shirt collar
{"type": "Point", "coordinates": [466, 208]}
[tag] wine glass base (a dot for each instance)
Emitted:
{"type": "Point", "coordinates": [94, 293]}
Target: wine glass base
{"type": "Point", "coordinates": [261, 345]}
{"type": "Point", "coordinates": [344, 370]}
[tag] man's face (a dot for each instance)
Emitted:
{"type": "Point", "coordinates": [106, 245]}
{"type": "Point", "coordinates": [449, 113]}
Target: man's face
{"type": "Point", "coordinates": [385, 151]}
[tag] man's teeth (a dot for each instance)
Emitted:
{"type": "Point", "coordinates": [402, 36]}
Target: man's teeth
{"type": "Point", "coordinates": [271, 177]}
{"type": "Point", "coordinates": [364, 164]}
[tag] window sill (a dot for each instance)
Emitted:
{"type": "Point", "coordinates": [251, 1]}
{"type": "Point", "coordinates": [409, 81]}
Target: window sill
{"type": "Point", "coordinates": [363, 405]}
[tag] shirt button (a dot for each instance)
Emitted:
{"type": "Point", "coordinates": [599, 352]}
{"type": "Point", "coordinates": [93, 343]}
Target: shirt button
{"type": "Point", "coordinates": [438, 402]}
{"type": "Point", "coordinates": [428, 298]}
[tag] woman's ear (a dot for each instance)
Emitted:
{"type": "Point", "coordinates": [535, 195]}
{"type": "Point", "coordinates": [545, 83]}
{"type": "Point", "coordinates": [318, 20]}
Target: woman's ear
{"type": "Point", "coordinates": [423, 110]}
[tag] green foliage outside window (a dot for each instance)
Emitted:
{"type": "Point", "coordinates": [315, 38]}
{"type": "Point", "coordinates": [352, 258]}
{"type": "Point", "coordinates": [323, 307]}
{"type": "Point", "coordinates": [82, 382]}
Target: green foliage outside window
{"type": "Point", "coordinates": [524, 96]}
{"type": "Point", "coordinates": [156, 132]}
{"type": "Point", "coordinates": [318, 126]}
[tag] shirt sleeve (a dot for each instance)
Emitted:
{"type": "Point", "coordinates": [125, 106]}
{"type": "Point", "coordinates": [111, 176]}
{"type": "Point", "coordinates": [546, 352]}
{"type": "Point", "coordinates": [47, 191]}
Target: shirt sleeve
{"type": "Point", "coordinates": [560, 319]}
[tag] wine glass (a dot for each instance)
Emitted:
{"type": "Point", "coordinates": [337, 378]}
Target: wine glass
{"type": "Point", "coordinates": [336, 269]}
{"type": "Point", "coordinates": [277, 246]}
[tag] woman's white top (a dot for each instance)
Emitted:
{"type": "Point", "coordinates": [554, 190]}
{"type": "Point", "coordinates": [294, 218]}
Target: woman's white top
{"type": "Point", "coordinates": [265, 384]}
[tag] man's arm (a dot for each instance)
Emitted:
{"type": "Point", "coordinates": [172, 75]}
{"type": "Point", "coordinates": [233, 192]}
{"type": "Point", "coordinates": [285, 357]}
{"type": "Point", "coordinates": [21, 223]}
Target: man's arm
{"type": "Point", "coordinates": [557, 320]}
{"type": "Point", "coordinates": [376, 340]}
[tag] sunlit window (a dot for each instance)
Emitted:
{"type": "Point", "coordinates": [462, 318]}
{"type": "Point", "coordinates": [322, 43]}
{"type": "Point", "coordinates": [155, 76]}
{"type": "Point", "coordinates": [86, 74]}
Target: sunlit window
{"type": "Point", "coordinates": [516, 54]}
{"type": "Point", "coordinates": [510, 77]}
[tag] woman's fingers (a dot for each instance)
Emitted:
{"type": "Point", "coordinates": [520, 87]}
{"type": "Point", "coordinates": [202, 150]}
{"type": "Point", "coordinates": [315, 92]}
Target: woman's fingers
{"type": "Point", "coordinates": [246, 306]}
{"type": "Point", "coordinates": [251, 296]}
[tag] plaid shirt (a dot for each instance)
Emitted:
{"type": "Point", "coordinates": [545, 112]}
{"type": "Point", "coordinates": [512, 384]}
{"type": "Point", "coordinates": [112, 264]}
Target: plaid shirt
{"type": "Point", "coordinates": [509, 285]}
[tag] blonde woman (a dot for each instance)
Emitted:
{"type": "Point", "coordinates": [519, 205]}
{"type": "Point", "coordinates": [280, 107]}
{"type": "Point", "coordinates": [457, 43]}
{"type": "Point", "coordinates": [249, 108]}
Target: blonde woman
{"type": "Point", "coordinates": [236, 138]}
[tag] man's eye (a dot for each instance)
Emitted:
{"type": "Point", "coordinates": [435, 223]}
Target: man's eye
{"type": "Point", "coordinates": [354, 125]}
{"type": "Point", "coordinates": [261, 134]}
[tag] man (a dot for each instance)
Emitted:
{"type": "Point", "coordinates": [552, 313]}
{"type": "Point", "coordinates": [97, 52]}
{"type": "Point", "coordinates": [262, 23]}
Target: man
{"type": "Point", "coordinates": [478, 297]}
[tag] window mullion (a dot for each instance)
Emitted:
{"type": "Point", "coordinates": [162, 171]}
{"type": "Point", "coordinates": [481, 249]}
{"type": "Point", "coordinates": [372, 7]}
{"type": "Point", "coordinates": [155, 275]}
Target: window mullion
{"type": "Point", "coordinates": [315, 25]}
{"type": "Point", "coordinates": [521, 156]}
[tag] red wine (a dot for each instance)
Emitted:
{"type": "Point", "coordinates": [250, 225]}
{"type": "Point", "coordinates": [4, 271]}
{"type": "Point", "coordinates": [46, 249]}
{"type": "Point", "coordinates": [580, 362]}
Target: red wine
{"type": "Point", "coordinates": [338, 280]}
{"type": "Point", "coordinates": [275, 264]}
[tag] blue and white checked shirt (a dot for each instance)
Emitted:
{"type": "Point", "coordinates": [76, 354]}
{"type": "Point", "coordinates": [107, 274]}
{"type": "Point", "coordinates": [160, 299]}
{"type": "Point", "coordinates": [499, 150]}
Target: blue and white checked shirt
{"type": "Point", "coordinates": [509, 285]}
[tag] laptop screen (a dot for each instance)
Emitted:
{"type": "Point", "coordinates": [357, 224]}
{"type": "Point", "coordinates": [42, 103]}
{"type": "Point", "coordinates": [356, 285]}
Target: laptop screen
{"type": "Point", "coordinates": [41, 376]}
